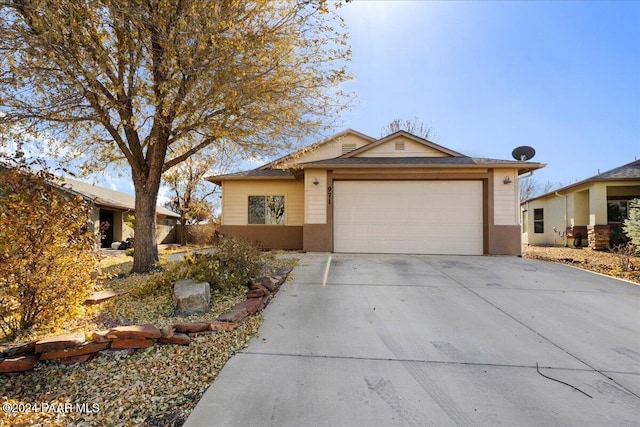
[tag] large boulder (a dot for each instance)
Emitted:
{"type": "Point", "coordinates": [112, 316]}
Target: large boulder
{"type": "Point", "coordinates": [190, 297]}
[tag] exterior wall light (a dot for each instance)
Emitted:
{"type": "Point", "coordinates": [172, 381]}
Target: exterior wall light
{"type": "Point", "coordinates": [316, 182]}
{"type": "Point", "coordinates": [507, 180]}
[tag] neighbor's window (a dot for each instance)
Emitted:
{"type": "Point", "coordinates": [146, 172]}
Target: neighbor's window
{"type": "Point", "coordinates": [617, 210]}
{"type": "Point", "coordinates": [538, 220]}
{"type": "Point", "coordinates": [266, 210]}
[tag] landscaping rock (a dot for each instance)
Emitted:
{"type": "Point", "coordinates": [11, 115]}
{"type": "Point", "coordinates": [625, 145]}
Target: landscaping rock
{"type": "Point", "coordinates": [265, 301]}
{"type": "Point", "coordinates": [14, 350]}
{"type": "Point", "coordinates": [252, 305]}
{"type": "Point", "coordinates": [234, 316]}
{"type": "Point", "coordinates": [191, 327]}
{"type": "Point", "coordinates": [134, 332]}
{"type": "Point", "coordinates": [84, 349]}
{"type": "Point", "coordinates": [223, 326]}
{"type": "Point", "coordinates": [178, 338]}
{"type": "Point", "coordinates": [190, 297]}
{"type": "Point", "coordinates": [167, 332]}
{"type": "Point", "coordinates": [283, 271]}
{"type": "Point", "coordinates": [98, 297]}
{"type": "Point", "coordinates": [75, 359]}
{"type": "Point", "coordinates": [21, 363]}
{"type": "Point", "coordinates": [130, 343]}
{"type": "Point", "coordinates": [268, 282]}
{"type": "Point", "coordinates": [241, 310]}
{"type": "Point", "coordinates": [257, 293]}
{"type": "Point", "coordinates": [60, 342]}
{"type": "Point", "coordinates": [100, 336]}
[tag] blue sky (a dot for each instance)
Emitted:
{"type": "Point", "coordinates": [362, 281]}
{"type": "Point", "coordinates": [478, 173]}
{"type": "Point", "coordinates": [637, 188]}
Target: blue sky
{"type": "Point", "coordinates": [563, 77]}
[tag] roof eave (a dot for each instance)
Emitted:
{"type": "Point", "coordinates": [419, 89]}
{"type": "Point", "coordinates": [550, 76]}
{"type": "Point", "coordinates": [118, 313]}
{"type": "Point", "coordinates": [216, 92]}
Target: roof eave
{"type": "Point", "coordinates": [521, 168]}
{"type": "Point", "coordinates": [566, 189]}
{"type": "Point", "coordinates": [218, 180]}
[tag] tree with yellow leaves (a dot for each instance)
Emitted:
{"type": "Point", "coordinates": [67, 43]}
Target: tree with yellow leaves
{"type": "Point", "coordinates": [150, 83]}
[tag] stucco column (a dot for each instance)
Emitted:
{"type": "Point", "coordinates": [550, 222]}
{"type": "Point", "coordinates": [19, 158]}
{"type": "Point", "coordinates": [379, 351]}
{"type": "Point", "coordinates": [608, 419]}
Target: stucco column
{"type": "Point", "coordinates": [598, 230]}
{"type": "Point", "coordinates": [598, 204]}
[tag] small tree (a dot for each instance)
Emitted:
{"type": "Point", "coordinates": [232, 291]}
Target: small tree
{"type": "Point", "coordinates": [191, 196]}
{"type": "Point", "coordinates": [631, 225]}
{"type": "Point", "coordinates": [413, 126]}
{"type": "Point", "coordinates": [47, 253]}
{"type": "Point", "coordinates": [529, 188]}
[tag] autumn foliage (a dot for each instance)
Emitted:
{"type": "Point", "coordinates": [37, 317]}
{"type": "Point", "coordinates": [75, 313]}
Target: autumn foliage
{"type": "Point", "coordinates": [47, 255]}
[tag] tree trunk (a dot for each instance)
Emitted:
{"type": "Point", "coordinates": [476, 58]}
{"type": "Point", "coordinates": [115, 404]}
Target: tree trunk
{"type": "Point", "coordinates": [183, 231]}
{"type": "Point", "coordinates": [145, 248]}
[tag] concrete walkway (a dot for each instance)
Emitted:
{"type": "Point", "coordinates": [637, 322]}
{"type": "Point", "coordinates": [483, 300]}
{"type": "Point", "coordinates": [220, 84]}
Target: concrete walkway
{"type": "Point", "coordinates": [402, 340]}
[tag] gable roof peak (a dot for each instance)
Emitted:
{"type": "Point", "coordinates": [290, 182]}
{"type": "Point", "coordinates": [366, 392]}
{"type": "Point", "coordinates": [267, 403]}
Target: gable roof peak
{"type": "Point", "coordinates": [279, 161]}
{"type": "Point", "coordinates": [415, 138]}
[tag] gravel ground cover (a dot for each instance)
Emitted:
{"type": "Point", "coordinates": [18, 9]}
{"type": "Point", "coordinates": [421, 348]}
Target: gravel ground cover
{"type": "Point", "coordinates": [157, 386]}
{"type": "Point", "coordinates": [611, 263]}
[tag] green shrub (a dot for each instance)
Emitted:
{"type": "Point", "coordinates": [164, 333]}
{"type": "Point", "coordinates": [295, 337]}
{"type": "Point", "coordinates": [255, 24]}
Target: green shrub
{"type": "Point", "coordinates": [631, 225]}
{"type": "Point", "coordinates": [47, 254]}
{"type": "Point", "coordinates": [231, 264]}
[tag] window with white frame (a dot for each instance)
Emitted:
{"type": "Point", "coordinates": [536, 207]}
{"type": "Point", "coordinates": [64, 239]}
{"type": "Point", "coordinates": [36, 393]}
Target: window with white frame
{"type": "Point", "coordinates": [269, 210]}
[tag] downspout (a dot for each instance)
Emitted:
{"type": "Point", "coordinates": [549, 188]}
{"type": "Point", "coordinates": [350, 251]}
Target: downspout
{"type": "Point", "coordinates": [564, 232]}
{"type": "Point", "coordinates": [527, 176]}
{"type": "Point", "coordinates": [530, 173]}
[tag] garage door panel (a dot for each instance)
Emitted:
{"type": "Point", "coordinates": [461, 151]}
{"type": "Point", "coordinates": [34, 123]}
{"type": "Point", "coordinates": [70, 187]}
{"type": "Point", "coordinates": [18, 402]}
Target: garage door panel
{"type": "Point", "coordinates": [429, 217]}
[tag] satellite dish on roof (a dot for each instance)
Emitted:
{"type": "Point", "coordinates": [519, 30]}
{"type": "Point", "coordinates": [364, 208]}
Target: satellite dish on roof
{"type": "Point", "coordinates": [524, 153]}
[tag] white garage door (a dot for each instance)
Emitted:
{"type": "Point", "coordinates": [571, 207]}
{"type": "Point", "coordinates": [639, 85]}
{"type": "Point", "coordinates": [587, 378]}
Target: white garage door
{"type": "Point", "coordinates": [418, 217]}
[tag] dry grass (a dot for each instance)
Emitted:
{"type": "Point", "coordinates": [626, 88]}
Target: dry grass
{"type": "Point", "coordinates": [158, 386]}
{"type": "Point", "coordinates": [609, 263]}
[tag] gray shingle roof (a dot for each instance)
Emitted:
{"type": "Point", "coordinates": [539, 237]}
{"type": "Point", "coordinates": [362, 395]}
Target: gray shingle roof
{"type": "Point", "coordinates": [628, 171]}
{"type": "Point", "coordinates": [273, 173]}
{"type": "Point", "coordinates": [418, 161]}
{"type": "Point", "coordinates": [107, 197]}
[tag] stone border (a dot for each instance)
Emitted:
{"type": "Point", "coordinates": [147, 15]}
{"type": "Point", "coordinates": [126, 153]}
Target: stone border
{"type": "Point", "coordinates": [74, 348]}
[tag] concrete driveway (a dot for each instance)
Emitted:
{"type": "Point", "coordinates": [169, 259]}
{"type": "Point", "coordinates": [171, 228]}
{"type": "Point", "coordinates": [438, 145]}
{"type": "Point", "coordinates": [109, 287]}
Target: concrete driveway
{"type": "Point", "coordinates": [411, 340]}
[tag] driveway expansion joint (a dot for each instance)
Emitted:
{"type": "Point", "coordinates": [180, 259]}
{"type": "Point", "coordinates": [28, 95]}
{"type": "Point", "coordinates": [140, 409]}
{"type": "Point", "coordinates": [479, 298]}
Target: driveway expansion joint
{"type": "Point", "coordinates": [425, 361]}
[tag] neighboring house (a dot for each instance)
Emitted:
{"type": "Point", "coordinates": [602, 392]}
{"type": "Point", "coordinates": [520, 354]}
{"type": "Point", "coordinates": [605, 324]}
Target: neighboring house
{"type": "Point", "coordinates": [397, 194]}
{"type": "Point", "coordinates": [112, 210]}
{"type": "Point", "coordinates": [591, 210]}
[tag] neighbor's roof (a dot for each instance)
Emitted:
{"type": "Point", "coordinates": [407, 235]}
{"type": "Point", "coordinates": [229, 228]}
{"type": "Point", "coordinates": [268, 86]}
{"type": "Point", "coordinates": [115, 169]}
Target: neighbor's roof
{"type": "Point", "coordinates": [628, 172]}
{"type": "Point", "coordinates": [108, 198]}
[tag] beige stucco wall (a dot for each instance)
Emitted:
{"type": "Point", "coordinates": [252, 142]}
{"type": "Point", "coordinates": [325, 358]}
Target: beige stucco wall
{"type": "Point", "coordinates": [315, 196]}
{"type": "Point", "coordinates": [411, 149]}
{"type": "Point", "coordinates": [578, 208]}
{"type": "Point", "coordinates": [235, 199]}
{"type": "Point", "coordinates": [330, 149]}
{"type": "Point", "coordinates": [506, 197]}
{"type": "Point", "coordinates": [598, 203]}
{"type": "Point", "coordinates": [554, 216]}
{"type": "Point", "coordinates": [623, 189]}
